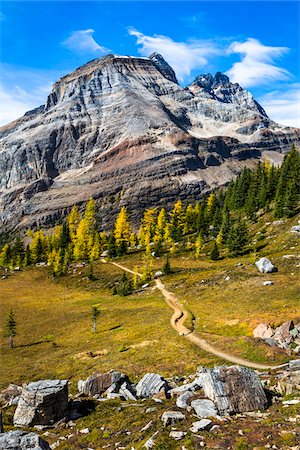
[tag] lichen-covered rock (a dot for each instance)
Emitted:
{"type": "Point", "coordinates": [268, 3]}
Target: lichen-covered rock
{"type": "Point", "coordinates": [98, 383]}
{"type": "Point", "coordinates": [11, 394]}
{"type": "Point", "coordinates": [42, 402]}
{"type": "Point", "coordinates": [151, 384]}
{"type": "Point", "coordinates": [204, 408]}
{"type": "Point", "coordinates": [233, 389]}
{"type": "Point", "coordinates": [200, 425]}
{"type": "Point", "coordinates": [171, 417]}
{"type": "Point", "coordinates": [22, 440]}
{"type": "Point", "coordinates": [264, 265]}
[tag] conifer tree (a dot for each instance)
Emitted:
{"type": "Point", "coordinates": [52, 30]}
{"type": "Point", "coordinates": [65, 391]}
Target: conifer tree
{"type": "Point", "coordinates": [95, 315]}
{"type": "Point", "coordinates": [198, 246]}
{"type": "Point", "coordinates": [214, 254]}
{"type": "Point", "coordinates": [5, 255]}
{"type": "Point", "coordinates": [11, 326]}
{"type": "Point", "coordinates": [177, 221]}
{"type": "Point", "coordinates": [112, 251]}
{"type": "Point", "coordinates": [27, 259]}
{"type": "Point", "coordinates": [122, 232]}
{"type": "Point", "coordinates": [238, 238]}
{"type": "Point", "coordinates": [167, 266]}
{"type": "Point", "coordinates": [73, 221]}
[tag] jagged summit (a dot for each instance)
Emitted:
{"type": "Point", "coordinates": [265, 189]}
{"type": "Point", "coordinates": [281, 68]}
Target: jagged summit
{"type": "Point", "coordinates": [122, 127]}
{"type": "Point", "coordinates": [219, 87]}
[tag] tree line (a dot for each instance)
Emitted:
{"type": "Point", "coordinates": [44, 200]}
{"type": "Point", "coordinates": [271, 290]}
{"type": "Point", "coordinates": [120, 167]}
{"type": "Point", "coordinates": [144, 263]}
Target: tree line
{"type": "Point", "coordinates": [217, 221]}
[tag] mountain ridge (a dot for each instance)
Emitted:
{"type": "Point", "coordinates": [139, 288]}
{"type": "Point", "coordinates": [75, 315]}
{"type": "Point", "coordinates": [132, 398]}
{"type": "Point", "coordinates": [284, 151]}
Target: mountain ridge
{"type": "Point", "coordinates": [123, 127]}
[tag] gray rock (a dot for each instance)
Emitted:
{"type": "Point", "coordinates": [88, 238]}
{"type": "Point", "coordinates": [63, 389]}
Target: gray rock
{"type": "Point", "coordinates": [158, 274]}
{"type": "Point", "coordinates": [11, 394]}
{"type": "Point", "coordinates": [182, 400]}
{"type": "Point", "coordinates": [151, 384]}
{"type": "Point", "coordinates": [268, 283]}
{"type": "Point", "coordinates": [200, 425]}
{"type": "Point", "coordinates": [234, 389]}
{"type": "Point", "coordinates": [42, 402]}
{"type": "Point", "coordinates": [127, 391]}
{"type": "Point", "coordinates": [177, 435]}
{"type": "Point", "coordinates": [264, 265]}
{"type": "Point", "coordinates": [295, 229]}
{"type": "Point", "coordinates": [204, 408]}
{"type": "Point", "coordinates": [171, 417]}
{"type": "Point", "coordinates": [22, 440]}
{"type": "Point", "coordinates": [150, 443]}
{"type": "Point", "coordinates": [98, 383]}
{"type": "Point", "coordinates": [263, 331]}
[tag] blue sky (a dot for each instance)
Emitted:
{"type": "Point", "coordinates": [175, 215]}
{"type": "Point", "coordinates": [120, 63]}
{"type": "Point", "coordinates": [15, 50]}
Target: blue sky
{"type": "Point", "coordinates": [255, 43]}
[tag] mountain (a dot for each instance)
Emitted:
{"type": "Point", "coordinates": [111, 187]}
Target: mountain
{"type": "Point", "coordinates": [121, 129]}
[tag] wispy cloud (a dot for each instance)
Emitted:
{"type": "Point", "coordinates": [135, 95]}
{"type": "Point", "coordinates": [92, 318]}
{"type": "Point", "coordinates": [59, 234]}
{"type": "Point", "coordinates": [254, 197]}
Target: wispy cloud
{"type": "Point", "coordinates": [22, 89]}
{"type": "Point", "coordinates": [182, 56]}
{"type": "Point", "coordinates": [283, 106]}
{"type": "Point", "coordinates": [257, 66]}
{"type": "Point", "coordinates": [82, 42]}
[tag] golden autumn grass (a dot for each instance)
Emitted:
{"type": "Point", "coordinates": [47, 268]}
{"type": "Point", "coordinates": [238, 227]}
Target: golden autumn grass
{"type": "Point", "coordinates": [55, 337]}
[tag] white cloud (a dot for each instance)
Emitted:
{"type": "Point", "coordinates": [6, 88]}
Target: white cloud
{"type": "Point", "coordinates": [283, 106]}
{"type": "Point", "coordinates": [23, 89]}
{"type": "Point", "coordinates": [257, 65]}
{"type": "Point", "coordinates": [82, 42]}
{"type": "Point", "coordinates": [182, 56]}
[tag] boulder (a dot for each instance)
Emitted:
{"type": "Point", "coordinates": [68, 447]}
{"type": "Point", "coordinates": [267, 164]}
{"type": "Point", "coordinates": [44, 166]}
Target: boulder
{"type": "Point", "coordinates": [151, 384]}
{"type": "Point", "coordinates": [42, 402]}
{"type": "Point", "coordinates": [177, 435]}
{"type": "Point", "coordinates": [204, 408]}
{"type": "Point", "coordinates": [200, 425]}
{"type": "Point", "coordinates": [182, 400]}
{"type": "Point", "coordinates": [263, 331]}
{"type": "Point", "coordinates": [98, 383]}
{"type": "Point", "coordinates": [295, 229]}
{"type": "Point", "coordinates": [22, 440]}
{"type": "Point", "coordinates": [282, 334]}
{"type": "Point", "coordinates": [264, 265]}
{"type": "Point", "coordinates": [233, 389]}
{"type": "Point", "coordinates": [11, 394]}
{"type": "Point", "coordinates": [158, 274]}
{"type": "Point", "coordinates": [171, 417]}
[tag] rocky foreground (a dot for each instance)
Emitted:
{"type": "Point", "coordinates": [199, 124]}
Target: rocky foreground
{"type": "Point", "coordinates": [201, 403]}
{"type": "Point", "coordinates": [121, 129]}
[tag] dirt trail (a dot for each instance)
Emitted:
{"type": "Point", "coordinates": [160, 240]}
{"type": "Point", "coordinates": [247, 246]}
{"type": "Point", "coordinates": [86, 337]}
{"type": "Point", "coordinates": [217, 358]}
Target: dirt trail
{"type": "Point", "coordinates": [177, 321]}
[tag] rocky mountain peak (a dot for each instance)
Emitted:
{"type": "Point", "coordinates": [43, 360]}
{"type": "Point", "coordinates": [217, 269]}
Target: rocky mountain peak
{"type": "Point", "coordinates": [163, 66]}
{"type": "Point", "coordinates": [219, 87]}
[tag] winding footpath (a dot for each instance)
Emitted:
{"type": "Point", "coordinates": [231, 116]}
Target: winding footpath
{"type": "Point", "coordinates": [179, 317]}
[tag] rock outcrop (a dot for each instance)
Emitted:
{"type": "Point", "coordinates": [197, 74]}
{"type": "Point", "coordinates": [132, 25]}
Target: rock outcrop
{"type": "Point", "coordinates": [124, 131]}
{"type": "Point", "coordinates": [233, 389]}
{"type": "Point", "coordinates": [286, 336]}
{"type": "Point", "coordinates": [42, 402]}
{"type": "Point", "coordinates": [22, 440]}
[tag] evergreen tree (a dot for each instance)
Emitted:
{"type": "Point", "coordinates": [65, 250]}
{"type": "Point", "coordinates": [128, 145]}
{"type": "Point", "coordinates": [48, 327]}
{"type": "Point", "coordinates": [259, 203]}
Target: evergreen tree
{"type": "Point", "coordinates": [11, 326]}
{"type": "Point", "coordinates": [65, 237]}
{"type": "Point", "coordinates": [238, 238]}
{"type": "Point", "coordinates": [95, 315]}
{"type": "Point", "coordinates": [112, 251]}
{"type": "Point", "coordinates": [199, 244]}
{"type": "Point", "coordinates": [214, 254]}
{"type": "Point", "coordinates": [27, 259]}
{"type": "Point", "coordinates": [167, 266]}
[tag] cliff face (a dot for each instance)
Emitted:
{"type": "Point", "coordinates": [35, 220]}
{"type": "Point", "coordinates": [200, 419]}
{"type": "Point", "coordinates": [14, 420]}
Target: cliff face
{"type": "Point", "coordinates": [122, 130]}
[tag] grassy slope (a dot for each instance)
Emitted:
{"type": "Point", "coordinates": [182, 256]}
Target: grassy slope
{"type": "Point", "coordinates": [61, 311]}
